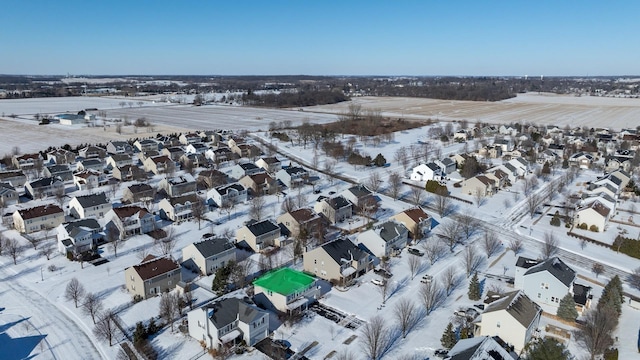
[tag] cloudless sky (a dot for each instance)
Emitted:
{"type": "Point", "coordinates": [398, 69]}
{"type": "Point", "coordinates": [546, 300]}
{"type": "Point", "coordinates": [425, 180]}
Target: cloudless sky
{"type": "Point", "coordinates": [323, 37]}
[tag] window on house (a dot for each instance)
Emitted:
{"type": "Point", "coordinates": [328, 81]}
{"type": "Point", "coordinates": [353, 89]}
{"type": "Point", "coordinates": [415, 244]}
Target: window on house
{"type": "Point", "coordinates": [498, 324]}
{"type": "Point", "coordinates": [539, 296]}
{"type": "Point", "coordinates": [553, 299]}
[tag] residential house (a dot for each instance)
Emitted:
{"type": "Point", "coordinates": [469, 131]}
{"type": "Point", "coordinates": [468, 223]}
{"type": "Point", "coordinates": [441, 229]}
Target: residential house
{"type": "Point", "coordinates": [360, 196]}
{"type": "Point", "coordinates": [480, 348]}
{"type": "Point", "coordinates": [178, 185]}
{"type": "Point", "coordinates": [60, 157]}
{"type": "Point", "coordinates": [130, 220]}
{"type": "Point", "coordinates": [212, 178]}
{"type": "Point", "coordinates": [128, 173]}
{"type": "Point", "coordinates": [582, 160]}
{"type": "Point", "coordinates": [90, 164]}
{"type": "Point", "coordinates": [37, 218]}
{"type": "Point", "coordinates": [193, 159]}
{"type": "Point", "coordinates": [79, 237]}
{"type": "Point", "coordinates": [303, 219]}
{"type": "Point", "coordinates": [118, 160]}
{"type": "Point", "coordinates": [461, 136]}
{"type": "Point", "coordinates": [61, 171]}
{"type": "Point", "coordinates": [207, 256]}
{"type": "Point", "coordinates": [506, 145]}
{"type": "Point", "coordinates": [119, 147]}
{"type": "Point", "coordinates": [8, 194]}
{"type": "Point", "coordinates": [241, 170]}
{"type": "Point", "coordinates": [27, 161]}
{"type": "Point", "coordinates": [426, 172]}
{"type": "Point", "coordinates": [594, 214]}
{"type": "Point", "coordinates": [260, 183]}
{"type": "Point", "coordinates": [286, 290]}
{"type": "Point", "coordinates": [159, 164]}
{"type": "Point", "coordinates": [189, 138]}
{"type": "Point", "coordinates": [86, 206]}
{"type": "Point", "coordinates": [606, 188]}
{"type": "Point", "coordinates": [479, 184]}
{"type": "Point", "coordinates": [229, 320]}
{"type": "Point", "coordinates": [44, 187]}
{"type": "Point", "coordinates": [219, 155]}
{"type": "Point", "coordinates": [178, 208]}
{"type": "Point", "coordinates": [246, 150]}
{"type": "Point", "coordinates": [153, 276]}
{"type": "Point", "coordinates": [15, 177]}
{"type": "Point", "coordinates": [293, 176]}
{"type": "Point", "coordinates": [514, 318]}
{"type": "Point", "coordinates": [233, 193]}
{"type": "Point", "coordinates": [92, 152]}
{"type": "Point", "coordinates": [270, 164]}
{"type": "Point", "coordinates": [259, 235]}
{"type": "Point", "coordinates": [546, 282]}
{"type": "Point", "coordinates": [557, 149]}
{"type": "Point", "coordinates": [582, 297]}
{"type": "Point", "coordinates": [174, 153]}
{"type": "Point", "coordinates": [89, 179]}
{"type": "Point", "coordinates": [338, 261]}
{"type": "Point", "coordinates": [499, 177]}
{"type": "Point", "coordinates": [146, 145]}
{"type": "Point", "coordinates": [336, 209]}
{"type": "Point", "coordinates": [385, 239]}
{"type": "Point", "coordinates": [416, 220]}
{"type": "Point", "coordinates": [521, 165]}
{"type": "Point", "coordinates": [197, 148]}
{"type": "Point", "coordinates": [446, 165]}
{"type": "Point", "coordinates": [623, 175]}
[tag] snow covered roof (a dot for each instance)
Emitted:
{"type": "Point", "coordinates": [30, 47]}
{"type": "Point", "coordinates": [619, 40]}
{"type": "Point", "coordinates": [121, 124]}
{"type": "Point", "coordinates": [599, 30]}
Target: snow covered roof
{"type": "Point", "coordinates": [555, 267]}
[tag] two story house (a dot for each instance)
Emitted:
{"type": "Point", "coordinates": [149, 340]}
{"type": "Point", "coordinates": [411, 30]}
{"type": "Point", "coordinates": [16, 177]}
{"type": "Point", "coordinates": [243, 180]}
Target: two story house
{"type": "Point", "coordinates": [138, 192]}
{"type": "Point", "coordinates": [259, 235]}
{"type": "Point", "coordinates": [130, 220]}
{"type": "Point", "coordinates": [153, 276]}
{"type": "Point", "coordinates": [78, 237]}
{"type": "Point", "coordinates": [286, 290]}
{"type": "Point", "coordinates": [338, 261]}
{"type": "Point", "coordinates": [89, 179]}
{"type": "Point", "coordinates": [119, 147]}
{"type": "Point", "coordinates": [416, 220]}
{"type": "Point", "coordinates": [158, 164]}
{"type": "Point", "coordinates": [178, 208]}
{"type": "Point", "coordinates": [207, 256]}
{"type": "Point", "coordinates": [233, 193]}
{"type": "Point", "coordinates": [426, 172]}
{"type": "Point", "coordinates": [241, 170]}
{"type": "Point", "coordinates": [93, 205]}
{"type": "Point", "coordinates": [15, 177]}
{"type": "Point", "coordinates": [178, 185]}
{"type": "Point", "coordinates": [336, 209]}
{"type": "Point", "coordinates": [61, 171]}
{"type": "Point", "coordinates": [546, 282]}
{"type": "Point", "coordinates": [385, 239]}
{"type": "Point", "coordinates": [37, 218]}
{"type": "Point", "coordinates": [260, 183]}
{"type": "Point", "coordinates": [293, 176]}
{"type": "Point", "coordinates": [8, 194]}
{"type": "Point", "coordinates": [270, 164]}
{"type": "Point", "coordinates": [303, 219]}
{"type": "Point", "coordinates": [43, 187]}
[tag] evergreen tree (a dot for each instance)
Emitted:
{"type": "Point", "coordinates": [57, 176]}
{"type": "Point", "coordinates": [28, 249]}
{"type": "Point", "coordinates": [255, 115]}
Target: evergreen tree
{"type": "Point", "coordinates": [567, 308]}
{"type": "Point", "coordinates": [547, 348]}
{"type": "Point", "coordinates": [448, 339]}
{"type": "Point", "coordinates": [379, 161]}
{"type": "Point", "coordinates": [474, 288]}
{"type": "Point", "coordinates": [612, 295]}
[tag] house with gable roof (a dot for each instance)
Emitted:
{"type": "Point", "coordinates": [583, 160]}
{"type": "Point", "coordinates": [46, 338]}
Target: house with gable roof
{"type": "Point", "coordinates": [359, 195]}
{"type": "Point", "coordinates": [14, 177]}
{"type": "Point", "coordinates": [234, 193]}
{"type": "Point", "coordinates": [241, 170]}
{"type": "Point", "coordinates": [293, 176]}
{"type": "Point", "coordinates": [89, 179]}
{"type": "Point", "coordinates": [60, 156]}
{"type": "Point", "coordinates": [299, 219]}
{"type": "Point", "coordinates": [178, 185]}
{"type": "Point", "coordinates": [259, 235]}
{"type": "Point", "coordinates": [153, 276]}
{"type": "Point", "coordinates": [592, 214]}
{"type": "Point", "coordinates": [119, 147]}
{"type": "Point", "coordinates": [43, 187]}
{"type": "Point", "coordinates": [335, 210]}
{"type": "Point", "coordinates": [481, 184]}
{"type": "Point", "coordinates": [179, 208]}
{"type": "Point", "coordinates": [229, 320]}
{"type": "Point", "coordinates": [426, 172]}
{"type": "Point", "coordinates": [545, 282]}
{"type": "Point", "coordinates": [158, 164]}
{"type": "Point", "coordinates": [145, 145]}
{"type": "Point", "coordinates": [416, 220]}
{"type": "Point", "coordinates": [8, 194]}
{"type": "Point", "coordinates": [446, 165]}
{"type": "Point", "coordinates": [260, 183]}
{"type": "Point", "coordinates": [78, 237]}
{"type": "Point", "coordinates": [93, 205]}
{"type": "Point", "coordinates": [130, 220]}
{"type": "Point", "coordinates": [62, 171]}
{"type": "Point", "coordinates": [480, 348]}
{"type": "Point", "coordinates": [118, 160]}
{"type": "Point", "coordinates": [207, 256]}
{"type": "Point", "coordinates": [385, 239]}
{"type": "Point", "coordinates": [286, 290]}
{"type": "Point", "coordinates": [514, 318]}
{"type": "Point", "coordinates": [338, 261]}
{"type": "Point", "coordinates": [37, 218]}
{"type": "Point", "coordinates": [270, 164]}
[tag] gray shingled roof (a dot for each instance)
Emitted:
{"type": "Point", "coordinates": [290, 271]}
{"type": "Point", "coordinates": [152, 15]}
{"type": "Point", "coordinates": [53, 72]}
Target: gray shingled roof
{"type": "Point", "coordinates": [226, 311]}
{"type": "Point", "coordinates": [343, 249]}
{"type": "Point", "coordinates": [526, 263]}
{"type": "Point", "coordinates": [211, 247]}
{"type": "Point", "coordinates": [83, 223]}
{"type": "Point", "coordinates": [262, 227]}
{"type": "Point", "coordinates": [338, 202]}
{"type": "Point", "coordinates": [518, 305]}
{"type": "Point", "coordinates": [92, 200]}
{"type": "Point", "coordinates": [557, 268]}
{"type": "Point", "coordinates": [390, 230]}
{"type": "Point", "coordinates": [359, 191]}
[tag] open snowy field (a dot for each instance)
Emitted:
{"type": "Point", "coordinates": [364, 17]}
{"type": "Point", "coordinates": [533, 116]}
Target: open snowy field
{"type": "Point", "coordinates": [548, 109]}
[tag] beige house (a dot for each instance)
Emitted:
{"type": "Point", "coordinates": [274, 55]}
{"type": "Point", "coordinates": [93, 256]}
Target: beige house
{"type": "Point", "coordinates": [178, 185]}
{"type": "Point", "coordinates": [260, 183]}
{"type": "Point", "coordinates": [270, 164]}
{"type": "Point", "coordinates": [259, 235]}
{"type": "Point", "coordinates": [296, 220]}
{"type": "Point", "coordinates": [38, 218]}
{"type": "Point", "coordinates": [593, 214]}
{"type": "Point", "coordinates": [130, 220]}
{"type": "Point", "coordinates": [89, 179]}
{"type": "Point", "coordinates": [207, 256]}
{"type": "Point", "coordinates": [481, 184]}
{"type": "Point", "coordinates": [153, 276]}
{"type": "Point", "coordinates": [128, 173]}
{"type": "Point", "coordinates": [416, 220]}
{"type": "Point", "coordinates": [158, 164]}
{"type": "Point", "coordinates": [138, 192]}
{"type": "Point", "coordinates": [337, 261]}
{"type": "Point", "coordinates": [513, 318]}
{"type": "Point", "coordinates": [335, 209]}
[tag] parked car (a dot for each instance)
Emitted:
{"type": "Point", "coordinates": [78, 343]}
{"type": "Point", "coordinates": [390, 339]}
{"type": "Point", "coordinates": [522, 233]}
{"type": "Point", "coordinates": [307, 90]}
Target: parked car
{"type": "Point", "coordinates": [414, 251]}
{"type": "Point", "coordinates": [479, 306]}
{"type": "Point", "coordinates": [441, 353]}
{"type": "Point", "coordinates": [379, 282]}
{"type": "Point", "coordinates": [426, 279]}
{"type": "Point", "coordinates": [382, 272]}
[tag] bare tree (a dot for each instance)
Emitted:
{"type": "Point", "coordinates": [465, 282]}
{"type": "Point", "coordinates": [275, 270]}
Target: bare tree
{"type": "Point", "coordinates": [472, 261]}
{"type": "Point", "coordinates": [417, 195]}
{"type": "Point", "coordinates": [169, 307]}
{"type": "Point", "coordinates": [113, 238]}
{"type": "Point", "coordinates": [468, 225]}
{"type": "Point", "coordinates": [59, 194]}
{"type": "Point", "coordinates": [516, 246]}
{"type": "Point", "coordinates": [395, 182]}
{"type": "Point", "coordinates": [92, 306]}
{"type": "Point", "coordinates": [288, 205]}
{"type": "Point", "coordinates": [443, 202]}
{"type": "Point", "coordinates": [449, 279]}
{"type": "Point", "coordinates": [374, 181]}
{"type": "Point", "coordinates": [106, 328]}
{"type": "Point", "coordinates": [383, 289]}
{"type": "Point", "coordinates": [402, 157]}
{"type": "Point", "coordinates": [479, 196]}
{"type": "Point", "coordinates": [166, 245]}
{"type": "Point", "coordinates": [432, 295]}
{"type": "Point", "coordinates": [597, 269]}
{"type": "Point", "coordinates": [374, 337]}
{"type": "Point", "coordinates": [256, 208]}
{"type": "Point", "coordinates": [550, 246]}
{"type": "Point", "coordinates": [434, 250]}
{"type": "Point", "coordinates": [345, 354]}
{"type": "Point", "coordinates": [198, 210]}
{"type": "Point", "coordinates": [34, 241]}
{"type": "Point", "coordinates": [533, 202]}
{"type": "Point", "coordinates": [405, 313]}
{"type": "Point", "coordinates": [595, 331]}
{"type": "Point", "coordinates": [47, 250]}
{"type": "Point", "coordinates": [415, 263]}
{"type": "Point", "coordinates": [240, 272]}
{"type": "Point", "coordinates": [451, 233]}
{"type": "Point", "coordinates": [634, 279]}
{"type": "Point", "coordinates": [227, 207]}
{"type": "Point", "coordinates": [491, 244]}
{"type": "Point", "coordinates": [13, 249]}
{"type": "Point", "coordinates": [74, 291]}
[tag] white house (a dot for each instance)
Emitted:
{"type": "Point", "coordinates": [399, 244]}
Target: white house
{"type": "Point", "coordinates": [227, 321]}
{"type": "Point", "coordinates": [78, 236]}
{"type": "Point", "coordinates": [545, 282]}
{"type": "Point", "coordinates": [426, 172]}
{"type": "Point", "coordinates": [593, 214]}
{"type": "Point", "coordinates": [178, 185]}
{"type": "Point", "coordinates": [208, 255]}
{"type": "Point", "coordinates": [292, 176]}
{"type": "Point", "coordinates": [234, 193]}
{"type": "Point", "coordinates": [480, 348]}
{"type": "Point", "coordinates": [93, 205]}
{"type": "Point", "coordinates": [178, 208]}
{"type": "Point", "coordinates": [385, 239]}
{"type": "Point", "coordinates": [130, 220]}
{"type": "Point", "coordinates": [259, 235]}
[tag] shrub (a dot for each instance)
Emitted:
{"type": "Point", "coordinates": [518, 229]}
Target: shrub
{"type": "Point", "coordinates": [583, 226]}
{"type": "Point", "coordinates": [555, 221]}
{"type": "Point", "coordinates": [435, 187]}
{"type": "Point", "coordinates": [137, 298]}
{"type": "Point", "coordinates": [52, 268]}
{"type": "Point", "coordinates": [611, 354]}
{"type": "Point", "coordinates": [593, 228]}
{"type": "Point", "coordinates": [628, 246]}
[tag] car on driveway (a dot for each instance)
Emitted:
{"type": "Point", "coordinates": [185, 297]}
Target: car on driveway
{"type": "Point", "coordinates": [414, 251]}
{"type": "Point", "coordinates": [379, 282]}
{"type": "Point", "coordinates": [426, 279]}
{"type": "Point", "coordinates": [382, 272]}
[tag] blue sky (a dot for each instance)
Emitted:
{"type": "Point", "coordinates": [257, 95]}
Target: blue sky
{"type": "Point", "coordinates": [323, 37]}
